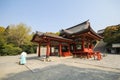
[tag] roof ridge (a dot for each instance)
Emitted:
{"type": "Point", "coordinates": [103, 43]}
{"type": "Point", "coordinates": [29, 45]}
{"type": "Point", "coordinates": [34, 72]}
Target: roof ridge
{"type": "Point", "coordinates": [78, 24]}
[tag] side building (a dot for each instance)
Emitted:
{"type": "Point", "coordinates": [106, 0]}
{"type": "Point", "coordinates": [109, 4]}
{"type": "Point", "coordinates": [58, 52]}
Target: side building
{"type": "Point", "coordinates": [113, 48]}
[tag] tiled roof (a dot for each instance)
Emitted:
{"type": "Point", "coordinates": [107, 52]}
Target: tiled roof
{"type": "Point", "coordinates": [101, 31]}
{"type": "Point", "coordinates": [77, 28]}
{"type": "Point", "coordinates": [51, 35]}
{"type": "Point", "coordinates": [80, 27]}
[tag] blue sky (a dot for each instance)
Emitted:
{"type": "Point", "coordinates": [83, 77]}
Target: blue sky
{"type": "Point", "coordinates": [53, 15]}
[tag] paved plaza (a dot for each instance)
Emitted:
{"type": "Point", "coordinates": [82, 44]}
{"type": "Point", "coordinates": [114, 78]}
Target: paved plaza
{"type": "Point", "coordinates": [60, 68]}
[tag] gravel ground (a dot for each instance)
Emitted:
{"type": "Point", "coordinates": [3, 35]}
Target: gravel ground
{"type": "Point", "coordinates": [60, 68]}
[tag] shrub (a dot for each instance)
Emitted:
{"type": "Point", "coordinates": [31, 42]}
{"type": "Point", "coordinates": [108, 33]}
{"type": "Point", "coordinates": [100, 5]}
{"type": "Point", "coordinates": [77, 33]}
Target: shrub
{"type": "Point", "coordinates": [29, 48]}
{"type": "Point", "coordinates": [11, 50]}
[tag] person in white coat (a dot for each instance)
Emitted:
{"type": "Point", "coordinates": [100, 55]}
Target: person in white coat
{"type": "Point", "coordinates": [23, 58]}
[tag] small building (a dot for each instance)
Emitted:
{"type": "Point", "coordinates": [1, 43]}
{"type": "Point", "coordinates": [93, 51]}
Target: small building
{"type": "Point", "coordinates": [77, 40]}
{"type": "Point", "coordinates": [115, 48]}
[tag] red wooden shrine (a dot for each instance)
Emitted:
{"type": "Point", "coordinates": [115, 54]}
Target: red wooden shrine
{"type": "Point", "coordinates": [51, 40]}
{"type": "Point", "coordinates": [78, 41]}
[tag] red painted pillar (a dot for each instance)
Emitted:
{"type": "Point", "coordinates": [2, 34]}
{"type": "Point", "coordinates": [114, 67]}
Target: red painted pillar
{"type": "Point", "coordinates": [83, 54]}
{"type": "Point", "coordinates": [83, 45]}
{"type": "Point", "coordinates": [74, 47]}
{"type": "Point", "coordinates": [99, 56]}
{"type": "Point", "coordinates": [48, 50]}
{"type": "Point", "coordinates": [90, 45]}
{"type": "Point", "coordinates": [60, 49]}
{"type": "Point", "coordinates": [69, 50]}
{"type": "Point", "coordinates": [74, 50]}
{"type": "Point", "coordinates": [39, 50]}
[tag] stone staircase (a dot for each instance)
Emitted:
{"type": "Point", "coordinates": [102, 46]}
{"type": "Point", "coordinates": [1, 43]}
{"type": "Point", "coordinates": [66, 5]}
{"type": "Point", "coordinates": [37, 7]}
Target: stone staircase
{"type": "Point", "coordinates": [100, 46]}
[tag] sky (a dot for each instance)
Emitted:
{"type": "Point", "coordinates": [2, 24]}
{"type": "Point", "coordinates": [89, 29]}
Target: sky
{"type": "Point", "coordinates": [54, 15]}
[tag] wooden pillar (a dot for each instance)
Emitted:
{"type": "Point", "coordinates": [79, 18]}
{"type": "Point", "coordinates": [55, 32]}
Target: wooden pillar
{"type": "Point", "coordinates": [74, 50]}
{"type": "Point", "coordinates": [60, 49]}
{"type": "Point", "coordinates": [48, 50]}
{"type": "Point", "coordinates": [74, 47]}
{"type": "Point", "coordinates": [69, 48]}
{"type": "Point", "coordinates": [83, 45]}
{"type": "Point", "coordinates": [69, 53]}
{"type": "Point", "coordinates": [39, 50]}
{"type": "Point", "coordinates": [90, 45]}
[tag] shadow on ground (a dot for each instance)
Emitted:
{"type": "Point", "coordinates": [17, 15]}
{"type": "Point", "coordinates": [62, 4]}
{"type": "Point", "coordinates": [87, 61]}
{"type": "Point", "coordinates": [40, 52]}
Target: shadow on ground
{"type": "Point", "coordinates": [35, 57]}
{"type": "Point", "coordinates": [32, 57]}
{"type": "Point", "coordinates": [64, 72]}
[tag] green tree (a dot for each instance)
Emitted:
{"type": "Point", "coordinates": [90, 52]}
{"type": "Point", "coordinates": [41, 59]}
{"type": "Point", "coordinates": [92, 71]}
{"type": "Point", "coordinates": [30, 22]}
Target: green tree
{"type": "Point", "coordinates": [29, 47]}
{"type": "Point", "coordinates": [2, 43]}
{"type": "Point", "coordinates": [15, 39]}
{"type": "Point", "coordinates": [2, 39]}
{"type": "Point", "coordinates": [18, 34]}
{"type": "Point", "coordinates": [57, 33]}
{"type": "Point", "coordinates": [2, 29]}
{"type": "Point", "coordinates": [112, 34]}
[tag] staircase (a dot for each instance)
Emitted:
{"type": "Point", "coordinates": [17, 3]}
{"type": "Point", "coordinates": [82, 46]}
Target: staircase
{"type": "Point", "coordinates": [100, 46]}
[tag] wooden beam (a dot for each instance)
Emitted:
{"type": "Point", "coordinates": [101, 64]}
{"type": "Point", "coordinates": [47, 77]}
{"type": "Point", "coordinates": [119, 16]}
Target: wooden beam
{"type": "Point", "coordinates": [59, 39]}
{"type": "Point", "coordinates": [93, 36]}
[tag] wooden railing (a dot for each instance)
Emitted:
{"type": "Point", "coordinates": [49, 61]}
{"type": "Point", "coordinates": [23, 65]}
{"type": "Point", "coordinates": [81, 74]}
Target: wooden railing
{"type": "Point", "coordinates": [88, 53]}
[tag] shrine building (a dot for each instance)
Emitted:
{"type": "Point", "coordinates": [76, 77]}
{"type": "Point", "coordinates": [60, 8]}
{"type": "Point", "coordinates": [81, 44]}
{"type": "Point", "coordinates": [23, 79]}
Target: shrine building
{"type": "Point", "coordinates": [78, 40]}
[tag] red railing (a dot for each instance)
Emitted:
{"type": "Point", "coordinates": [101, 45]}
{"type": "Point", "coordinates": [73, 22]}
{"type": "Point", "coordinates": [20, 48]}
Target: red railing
{"type": "Point", "coordinates": [88, 53]}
